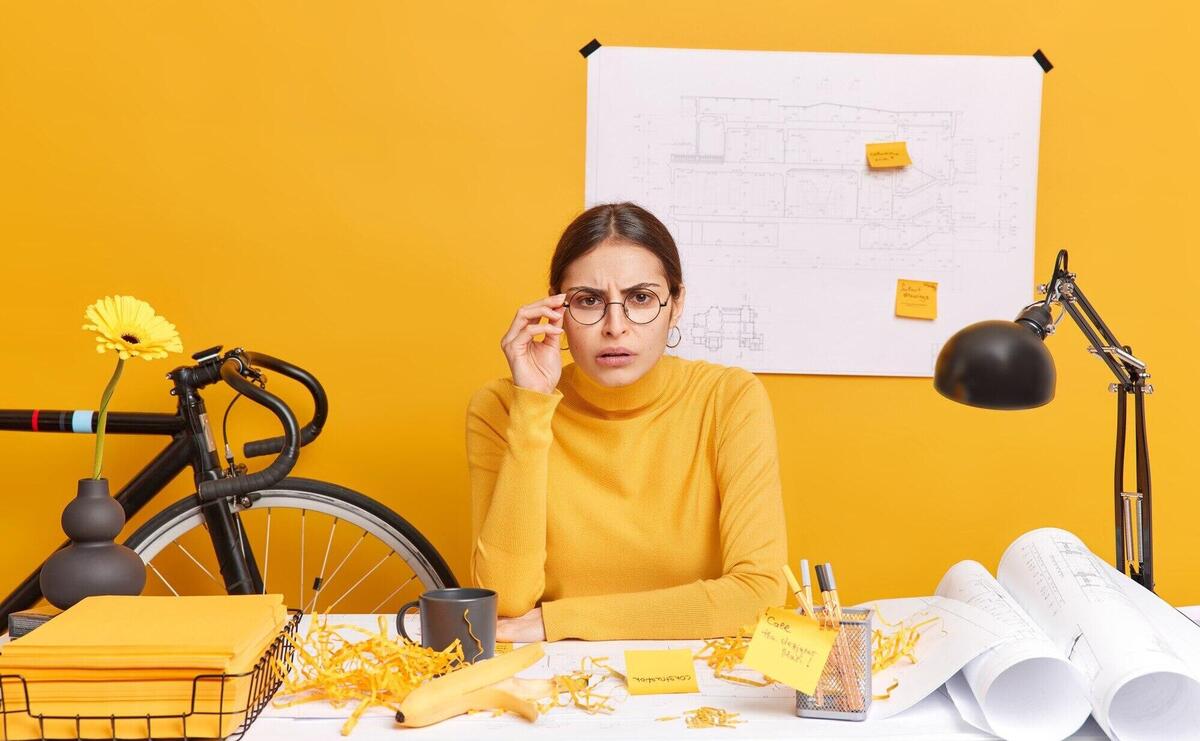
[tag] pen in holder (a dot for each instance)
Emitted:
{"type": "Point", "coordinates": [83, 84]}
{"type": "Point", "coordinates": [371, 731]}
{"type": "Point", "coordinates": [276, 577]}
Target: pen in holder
{"type": "Point", "coordinates": [844, 689]}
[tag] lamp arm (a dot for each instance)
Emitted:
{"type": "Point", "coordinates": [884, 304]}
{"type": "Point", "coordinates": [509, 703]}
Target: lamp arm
{"type": "Point", "coordinates": [1063, 290]}
{"type": "Point", "coordinates": [1134, 553]}
{"type": "Point", "coordinates": [1098, 344]}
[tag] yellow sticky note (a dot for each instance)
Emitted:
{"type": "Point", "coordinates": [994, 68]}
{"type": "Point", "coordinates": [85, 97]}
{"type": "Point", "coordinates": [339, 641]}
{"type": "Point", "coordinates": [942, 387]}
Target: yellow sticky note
{"type": "Point", "coordinates": [916, 299]}
{"type": "Point", "coordinates": [888, 154]}
{"type": "Point", "coordinates": [660, 672]}
{"type": "Point", "coordinates": [790, 648]}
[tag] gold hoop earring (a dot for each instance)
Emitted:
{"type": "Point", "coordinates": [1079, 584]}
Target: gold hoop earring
{"type": "Point", "coordinates": [678, 340]}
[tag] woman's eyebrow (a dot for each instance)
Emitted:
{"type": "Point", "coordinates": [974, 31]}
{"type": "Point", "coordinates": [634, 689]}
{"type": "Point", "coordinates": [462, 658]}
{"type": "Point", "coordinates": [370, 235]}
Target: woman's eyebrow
{"type": "Point", "coordinates": [623, 290]}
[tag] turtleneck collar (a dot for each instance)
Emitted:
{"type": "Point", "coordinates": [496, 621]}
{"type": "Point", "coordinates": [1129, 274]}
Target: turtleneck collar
{"type": "Point", "coordinates": [621, 400]}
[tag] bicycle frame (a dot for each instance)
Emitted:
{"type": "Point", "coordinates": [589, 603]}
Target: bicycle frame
{"type": "Point", "coordinates": [191, 444]}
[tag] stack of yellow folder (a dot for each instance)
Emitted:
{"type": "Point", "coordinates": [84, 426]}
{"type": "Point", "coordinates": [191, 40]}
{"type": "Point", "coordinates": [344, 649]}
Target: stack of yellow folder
{"type": "Point", "coordinates": [139, 656]}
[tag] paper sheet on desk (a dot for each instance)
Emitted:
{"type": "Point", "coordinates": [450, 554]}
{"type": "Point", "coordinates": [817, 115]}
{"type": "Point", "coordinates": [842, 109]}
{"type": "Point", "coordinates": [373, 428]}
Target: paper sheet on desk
{"type": "Point", "coordinates": [564, 658]}
{"type": "Point", "coordinates": [769, 711]}
{"type": "Point", "coordinates": [962, 633]}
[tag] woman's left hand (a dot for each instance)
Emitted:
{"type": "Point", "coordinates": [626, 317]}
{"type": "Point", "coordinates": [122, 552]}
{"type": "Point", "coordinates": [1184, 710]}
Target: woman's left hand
{"type": "Point", "coordinates": [525, 629]}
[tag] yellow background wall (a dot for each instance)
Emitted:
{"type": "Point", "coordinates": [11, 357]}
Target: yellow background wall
{"type": "Point", "coordinates": [370, 189]}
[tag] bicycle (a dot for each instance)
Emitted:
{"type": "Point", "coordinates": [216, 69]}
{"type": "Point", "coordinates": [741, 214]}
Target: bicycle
{"type": "Point", "coordinates": [227, 494]}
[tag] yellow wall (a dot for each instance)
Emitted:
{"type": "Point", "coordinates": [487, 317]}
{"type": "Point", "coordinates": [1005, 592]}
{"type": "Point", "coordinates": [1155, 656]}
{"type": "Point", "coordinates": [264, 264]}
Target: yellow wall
{"type": "Point", "coordinates": [370, 188]}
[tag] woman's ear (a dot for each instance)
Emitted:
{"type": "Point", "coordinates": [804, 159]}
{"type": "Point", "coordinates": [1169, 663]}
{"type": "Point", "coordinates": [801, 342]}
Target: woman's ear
{"type": "Point", "coordinates": [677, 306]}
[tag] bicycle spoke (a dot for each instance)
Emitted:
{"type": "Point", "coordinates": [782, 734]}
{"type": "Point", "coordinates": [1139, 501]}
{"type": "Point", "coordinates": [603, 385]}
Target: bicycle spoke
{"type": "Point", "coordinates": [325, 582]}
{"type": "Point", "coordinates": [241, 535]}
{"type": "Point", "coordinates": [266, 553]}
{"type": "Point", "coordinates": [324, 562]}
{"type": "Point", "coordinates": [395, 591]}
{"type": "Point", "coordinates": [164, 580]}
{"type": "Point", "coordinates": [361, 579]}
{"type": "Point", "coordinates": [199, 565]}
{"type": "Point", "coordinates": [300, 594]}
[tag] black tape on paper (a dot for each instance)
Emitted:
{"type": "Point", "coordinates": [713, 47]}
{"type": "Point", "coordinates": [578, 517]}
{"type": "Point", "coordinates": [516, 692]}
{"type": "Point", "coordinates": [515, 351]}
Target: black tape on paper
{"type": "Point", "coordinates": [590, 47]}
{"type": "Point", "coordinates": [1041, 59]}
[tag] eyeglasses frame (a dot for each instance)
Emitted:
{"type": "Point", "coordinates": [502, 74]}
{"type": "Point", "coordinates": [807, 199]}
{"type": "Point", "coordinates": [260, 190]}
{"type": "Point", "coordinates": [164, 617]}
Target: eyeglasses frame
{"type": "Point", "coordinates": [567, 305]}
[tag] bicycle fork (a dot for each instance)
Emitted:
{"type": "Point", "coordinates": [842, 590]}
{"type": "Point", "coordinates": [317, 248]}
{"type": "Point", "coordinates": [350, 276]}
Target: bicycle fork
{"type": "Point", "coordinates": [235, 557]}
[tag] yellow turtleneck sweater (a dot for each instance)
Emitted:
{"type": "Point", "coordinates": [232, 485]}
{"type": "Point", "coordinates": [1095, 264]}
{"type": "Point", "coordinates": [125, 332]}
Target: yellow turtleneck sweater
{"type": "Point", "coordinates": [651, 510]}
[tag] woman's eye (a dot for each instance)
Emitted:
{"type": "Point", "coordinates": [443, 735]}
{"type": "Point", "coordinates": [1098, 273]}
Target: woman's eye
{"type": "Point", "coordinates": [587, 301]}
{"type": "Point", "coordinates": [641, 298]}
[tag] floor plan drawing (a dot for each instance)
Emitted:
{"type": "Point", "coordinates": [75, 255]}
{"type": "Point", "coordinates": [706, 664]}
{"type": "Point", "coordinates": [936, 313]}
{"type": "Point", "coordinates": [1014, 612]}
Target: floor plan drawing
{"type": "Point", "coordinates": [791, 245]}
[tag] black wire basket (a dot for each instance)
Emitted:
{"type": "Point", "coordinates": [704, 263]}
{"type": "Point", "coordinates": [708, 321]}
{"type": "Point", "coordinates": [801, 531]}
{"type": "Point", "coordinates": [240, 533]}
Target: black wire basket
{"type": "Point", "coordinates": [209, 715]}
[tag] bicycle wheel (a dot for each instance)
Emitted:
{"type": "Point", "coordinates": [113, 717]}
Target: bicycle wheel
{"type": "Point", "coordinates": [371, 557]}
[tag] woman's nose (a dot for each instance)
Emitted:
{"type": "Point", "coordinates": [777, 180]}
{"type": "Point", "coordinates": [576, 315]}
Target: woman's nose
{"type": "Point", "coordinates": [615, 321]}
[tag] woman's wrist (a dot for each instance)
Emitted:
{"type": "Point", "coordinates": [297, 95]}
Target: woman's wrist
{"type": "Point", "coordinates": [543, 389]}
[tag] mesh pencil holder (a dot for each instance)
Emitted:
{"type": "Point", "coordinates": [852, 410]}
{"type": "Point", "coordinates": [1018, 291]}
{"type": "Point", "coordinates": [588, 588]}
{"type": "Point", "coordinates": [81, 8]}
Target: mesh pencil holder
{"type": "Point", "coordinates": [844, 690]}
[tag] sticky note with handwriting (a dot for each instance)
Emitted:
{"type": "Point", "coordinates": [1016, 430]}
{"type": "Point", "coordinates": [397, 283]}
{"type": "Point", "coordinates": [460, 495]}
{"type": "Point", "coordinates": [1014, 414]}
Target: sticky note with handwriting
{"type": "Point", "coordinates": [790, 648]}
{"type": "Point", "coordinates": [660, 672]}
{"type": "Point", "coordinates": [916, 299]}
{"type": "Point", "coordinates": [888, 154]}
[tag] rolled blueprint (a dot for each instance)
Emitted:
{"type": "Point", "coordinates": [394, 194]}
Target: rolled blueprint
{"type": "Point", "coordinates": [1139, 685]}
{"type": "Point", "coordinates": [1024, 689]}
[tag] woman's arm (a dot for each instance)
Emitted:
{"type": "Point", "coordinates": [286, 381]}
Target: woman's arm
{"type": "Point", "coordinates": [753, 545]}
{"type": "Point", "coordinates": [507, 454]}
{"type": "Point", "coordinates": [508, 446]}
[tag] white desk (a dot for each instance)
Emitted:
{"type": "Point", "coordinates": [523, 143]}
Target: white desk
{"type": "Point", "coordinates": [769, 713]}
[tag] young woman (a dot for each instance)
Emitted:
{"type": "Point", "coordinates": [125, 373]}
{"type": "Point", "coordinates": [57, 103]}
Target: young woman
{"type": "Point", "coordinates": [631, 494]}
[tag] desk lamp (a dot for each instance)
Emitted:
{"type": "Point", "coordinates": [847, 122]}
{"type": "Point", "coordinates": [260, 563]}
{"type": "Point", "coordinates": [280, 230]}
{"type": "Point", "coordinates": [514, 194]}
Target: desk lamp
{"type": "Point", "coordinates": [1005, 365]}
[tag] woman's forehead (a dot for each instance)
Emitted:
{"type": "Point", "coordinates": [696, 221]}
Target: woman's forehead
{"type": "Point", "coordinates": [615, 265]}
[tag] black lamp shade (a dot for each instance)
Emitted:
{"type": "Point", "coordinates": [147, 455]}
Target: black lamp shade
{"type": "Point", "coordinates": [996, 365]}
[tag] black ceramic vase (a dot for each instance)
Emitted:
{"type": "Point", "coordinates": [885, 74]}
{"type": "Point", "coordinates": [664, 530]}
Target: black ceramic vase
{"type": "Point", "coordinates": [92, 564]}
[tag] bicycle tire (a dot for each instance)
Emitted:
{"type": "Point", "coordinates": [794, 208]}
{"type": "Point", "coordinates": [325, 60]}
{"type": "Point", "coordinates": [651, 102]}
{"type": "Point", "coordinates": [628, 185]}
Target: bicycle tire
{"type": "Point", "coordinates": [330, 499]}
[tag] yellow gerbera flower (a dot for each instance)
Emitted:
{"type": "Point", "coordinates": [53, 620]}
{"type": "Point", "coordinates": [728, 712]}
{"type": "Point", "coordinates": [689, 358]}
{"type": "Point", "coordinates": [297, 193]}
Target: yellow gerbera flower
{"type": "Point", "coordinates": [131, 328]}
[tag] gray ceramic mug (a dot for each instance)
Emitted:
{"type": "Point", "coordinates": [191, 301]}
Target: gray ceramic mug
{"type": "Point", "coordinates": [443, 620]}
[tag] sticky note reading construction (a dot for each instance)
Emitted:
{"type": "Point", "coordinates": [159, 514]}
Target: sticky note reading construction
{"type": "Point", "coordinates": [790, 648]}
{"type": "Point", "coordinates": [916, 299]}
{"type": "Point", "coordinates": [888, 154]}
{"type": "Point", "coordinates": [660, 672]}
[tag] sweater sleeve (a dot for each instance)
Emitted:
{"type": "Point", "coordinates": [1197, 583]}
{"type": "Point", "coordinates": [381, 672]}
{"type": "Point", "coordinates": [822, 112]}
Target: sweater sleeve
{"type": "Point", "coordinates": [753, 545]}
{"type": "Point", "coordinates": [507, 455]}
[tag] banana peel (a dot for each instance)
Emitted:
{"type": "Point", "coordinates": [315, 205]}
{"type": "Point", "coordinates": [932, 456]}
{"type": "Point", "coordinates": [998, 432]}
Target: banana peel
{"type": "Point", "coordinates": [475, 687]}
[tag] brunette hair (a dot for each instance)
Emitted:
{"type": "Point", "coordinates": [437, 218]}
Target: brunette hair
{"type": "Point", "coordinates": [626, 221]}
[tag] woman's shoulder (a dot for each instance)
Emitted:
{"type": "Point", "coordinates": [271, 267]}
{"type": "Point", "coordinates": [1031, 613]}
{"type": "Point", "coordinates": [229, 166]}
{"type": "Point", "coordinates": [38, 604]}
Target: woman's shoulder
{"type": "Point", "coordinates": [735, 395]}
{"type": "Point", "coordinates": [724, 382]}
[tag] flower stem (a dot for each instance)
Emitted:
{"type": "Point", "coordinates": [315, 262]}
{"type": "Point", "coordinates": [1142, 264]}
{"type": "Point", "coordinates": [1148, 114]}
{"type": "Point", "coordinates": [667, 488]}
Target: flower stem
{"type": "Point", "coordinates": [108, 392]}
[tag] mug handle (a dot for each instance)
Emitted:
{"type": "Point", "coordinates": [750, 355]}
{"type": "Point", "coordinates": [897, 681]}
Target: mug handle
{"type": "Point", "coordinates": [400, 619]}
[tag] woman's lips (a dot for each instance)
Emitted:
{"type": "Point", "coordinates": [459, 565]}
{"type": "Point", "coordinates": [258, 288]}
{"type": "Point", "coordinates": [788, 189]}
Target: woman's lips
{"type": "Point", "coordinates": [615, 361]}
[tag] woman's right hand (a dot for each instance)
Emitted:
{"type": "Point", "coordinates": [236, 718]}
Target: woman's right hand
{"type": "Point", "coordinates": [536, 365]}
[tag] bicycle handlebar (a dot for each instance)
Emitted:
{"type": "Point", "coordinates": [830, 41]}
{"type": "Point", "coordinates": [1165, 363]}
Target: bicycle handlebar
{"type": "Point", "coordinates": [311, 430]}
{"type": "Point", "coordinates": [231, 370]}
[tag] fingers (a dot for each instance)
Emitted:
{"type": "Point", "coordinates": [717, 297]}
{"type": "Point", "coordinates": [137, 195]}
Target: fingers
{"type": "Point", "coordinates": [530, 314]}
{"type": "Point", "coordinates": [551, 338]}
{"type": "Point", "coordinates": [518, 343]}
{"type": "Point", "coordinates": [533, 330]}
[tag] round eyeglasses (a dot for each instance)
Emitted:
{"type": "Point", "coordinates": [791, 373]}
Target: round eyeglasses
{"type": "Point", "coordinates": [641, 306]}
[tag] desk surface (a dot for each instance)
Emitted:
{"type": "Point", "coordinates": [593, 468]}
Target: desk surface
{"type": "Point", "coordinates": [768, 712]}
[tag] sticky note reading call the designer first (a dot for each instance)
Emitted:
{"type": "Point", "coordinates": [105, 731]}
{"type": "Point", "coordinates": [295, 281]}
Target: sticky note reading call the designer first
{"type": "Point", "coordinates": [888, 154]}
{"type": "Point", "coordinates": [660, 672]}
{"type": "Point", "coordinates": [790, 648]}
{"type": "Point", "coordinates": [916, 299]}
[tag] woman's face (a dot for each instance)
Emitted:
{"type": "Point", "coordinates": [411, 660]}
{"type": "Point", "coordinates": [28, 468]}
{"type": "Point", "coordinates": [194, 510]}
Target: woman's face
{"type": "Point", "coordinates": [616, 351]}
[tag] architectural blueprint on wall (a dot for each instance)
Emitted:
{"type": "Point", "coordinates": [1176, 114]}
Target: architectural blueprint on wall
{"type": "Point", "coordinates": [791, 246]}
